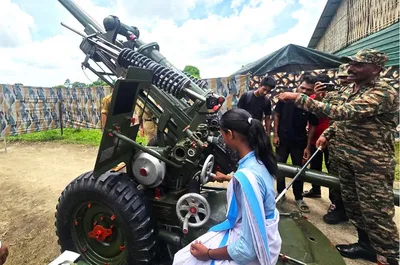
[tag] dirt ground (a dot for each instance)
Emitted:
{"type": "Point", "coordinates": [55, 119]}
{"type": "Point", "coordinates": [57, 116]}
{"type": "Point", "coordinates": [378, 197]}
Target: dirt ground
{"type": "Point", "coordinates": [32, 178]}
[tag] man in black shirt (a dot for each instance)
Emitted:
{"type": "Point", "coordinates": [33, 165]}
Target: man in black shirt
{"type": "Point", "coordinates": [257, 103]}
{"type": "Point", "coordinates": [290, 137]}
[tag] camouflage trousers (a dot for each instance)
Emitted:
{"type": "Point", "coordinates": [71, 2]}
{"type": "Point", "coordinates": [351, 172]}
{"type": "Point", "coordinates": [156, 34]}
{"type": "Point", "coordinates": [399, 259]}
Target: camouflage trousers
{"type": "Point", "coordinates": [367, 192]}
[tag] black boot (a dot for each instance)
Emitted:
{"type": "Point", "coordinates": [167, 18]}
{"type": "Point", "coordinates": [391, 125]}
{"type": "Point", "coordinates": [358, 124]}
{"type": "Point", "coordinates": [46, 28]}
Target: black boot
{"type": "Point", "coordinates": [360, 250]}
{"type": "Point", "coordinates": [312, 194]}
{"type": "Point", "coordinates": [335, 215]}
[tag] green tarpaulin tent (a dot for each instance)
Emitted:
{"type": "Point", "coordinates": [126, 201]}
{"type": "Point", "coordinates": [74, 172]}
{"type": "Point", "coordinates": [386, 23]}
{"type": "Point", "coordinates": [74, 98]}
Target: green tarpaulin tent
{"type": "Point", "coordinates": [291, 58]}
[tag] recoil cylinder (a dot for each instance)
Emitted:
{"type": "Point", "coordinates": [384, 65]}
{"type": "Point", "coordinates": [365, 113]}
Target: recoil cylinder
{"type": "Point", "coordinates": [164, 78]}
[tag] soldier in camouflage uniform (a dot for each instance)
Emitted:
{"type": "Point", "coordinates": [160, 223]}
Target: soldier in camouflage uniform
{"type": "Point", "coordinates": [364, 127]}
{"type": "Point", "coordinates": [336, 212]}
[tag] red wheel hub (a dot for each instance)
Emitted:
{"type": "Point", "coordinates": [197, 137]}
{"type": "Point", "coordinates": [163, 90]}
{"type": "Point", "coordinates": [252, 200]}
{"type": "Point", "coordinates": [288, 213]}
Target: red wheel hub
{"type": "Point", "coordinates": [100, 233]}
{"type": "Point", "coordinates": [193, 210]}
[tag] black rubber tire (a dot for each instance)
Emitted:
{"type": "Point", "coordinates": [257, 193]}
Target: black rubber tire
{"type": "Point", "coordinates": [118, 192]}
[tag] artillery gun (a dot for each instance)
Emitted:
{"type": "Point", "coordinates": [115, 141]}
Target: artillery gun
{"type": "Point", "coordinates": [160, 199]}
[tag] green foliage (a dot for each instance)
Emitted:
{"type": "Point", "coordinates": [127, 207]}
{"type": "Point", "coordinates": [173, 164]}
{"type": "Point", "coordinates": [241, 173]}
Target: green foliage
{"type": "Point", "coordinates": [98, 82]}
{"type": "Point", "coordinates": [192, 70]}
{"type": "Point", "coordinates": [78, 84]}
{"type": "Point", "coordinates": [90, 137]}
{"type": "Point", "coordinates": [67, 83]}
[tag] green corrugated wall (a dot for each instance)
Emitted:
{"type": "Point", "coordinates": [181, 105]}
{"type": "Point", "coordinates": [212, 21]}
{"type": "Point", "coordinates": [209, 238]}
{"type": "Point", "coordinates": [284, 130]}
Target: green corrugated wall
{"type": "Point", "coordinates": [386, 40]}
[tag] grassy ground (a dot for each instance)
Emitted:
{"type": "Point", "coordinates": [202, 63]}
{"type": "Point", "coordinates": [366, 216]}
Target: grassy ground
{"type": "Point", "coordinates": [90, 137]}
{"type": "Point", "coordinates": [93, 137]}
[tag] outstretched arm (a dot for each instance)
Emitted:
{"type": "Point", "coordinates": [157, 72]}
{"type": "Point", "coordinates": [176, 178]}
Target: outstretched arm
{"type": "Point", "coordinates": [375, 102]}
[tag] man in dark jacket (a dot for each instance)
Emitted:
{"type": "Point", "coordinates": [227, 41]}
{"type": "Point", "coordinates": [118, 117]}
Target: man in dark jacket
{"type": "Point", "coordinates": [258, 104]}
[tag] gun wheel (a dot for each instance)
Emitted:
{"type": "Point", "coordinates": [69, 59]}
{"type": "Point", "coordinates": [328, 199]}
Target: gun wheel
{"type": "Point", "coordinates": [106, 220]}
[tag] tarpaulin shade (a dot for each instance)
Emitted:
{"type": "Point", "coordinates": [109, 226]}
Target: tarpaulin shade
{"type": "Point", "coordinates": [291, 58]}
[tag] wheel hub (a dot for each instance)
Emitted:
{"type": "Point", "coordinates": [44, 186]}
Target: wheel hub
{"type": "Point", "coordinates": [193, 210]}
{"type": "Point", "coordinates": [100, 233]}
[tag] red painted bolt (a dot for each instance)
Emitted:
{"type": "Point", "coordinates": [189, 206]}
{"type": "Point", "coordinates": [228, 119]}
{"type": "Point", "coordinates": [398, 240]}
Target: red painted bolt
{"type": "Point", "coordinates": [121, 248]}
{"type": "Point", "coordinates": [112, 217]}
{"type": "Point", "coordinates": [89, 205]}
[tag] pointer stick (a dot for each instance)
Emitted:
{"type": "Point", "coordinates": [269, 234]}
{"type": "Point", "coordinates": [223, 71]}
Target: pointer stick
{"type": "Point", "coordinates": [297, 175]}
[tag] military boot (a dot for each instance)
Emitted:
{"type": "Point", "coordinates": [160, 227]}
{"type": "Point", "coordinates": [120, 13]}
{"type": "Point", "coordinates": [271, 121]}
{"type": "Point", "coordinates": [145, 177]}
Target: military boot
{"type": "Point", "coordinates": [360, 250]}
{"type": "Point", "coordinates": [335, 215]}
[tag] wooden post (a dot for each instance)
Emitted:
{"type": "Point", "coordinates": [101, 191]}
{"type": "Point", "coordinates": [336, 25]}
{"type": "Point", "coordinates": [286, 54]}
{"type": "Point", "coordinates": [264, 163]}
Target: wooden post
{"type": "Point", "coordinates": [5, 144]}
{"type": "Point", "coordinates": [61, 117]}
{"type": "Point", "coordinates": [101, 121]}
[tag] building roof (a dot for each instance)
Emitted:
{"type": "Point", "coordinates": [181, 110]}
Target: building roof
{"type": "Point", "coordinates": [324, 21]}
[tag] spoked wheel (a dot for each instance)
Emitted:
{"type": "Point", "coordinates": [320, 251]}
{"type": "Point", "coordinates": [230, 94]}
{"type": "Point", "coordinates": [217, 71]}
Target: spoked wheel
{"type": "Point", "coordinates": [106, 220]}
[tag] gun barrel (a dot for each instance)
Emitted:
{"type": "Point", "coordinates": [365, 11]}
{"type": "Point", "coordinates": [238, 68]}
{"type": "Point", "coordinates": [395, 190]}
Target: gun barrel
{"type": "Point", "coordinates": [321, 178]}
{"type": "Point", "coordinates": [91, 26]}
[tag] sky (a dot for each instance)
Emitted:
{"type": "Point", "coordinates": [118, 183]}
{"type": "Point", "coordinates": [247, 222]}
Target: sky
{"type": "Point", "coordinates": [217, 36]}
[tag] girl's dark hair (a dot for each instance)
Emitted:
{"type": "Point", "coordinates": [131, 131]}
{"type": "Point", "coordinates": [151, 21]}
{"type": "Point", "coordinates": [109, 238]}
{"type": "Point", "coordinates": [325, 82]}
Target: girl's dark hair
{"type": "Point", "coordinates": [239, 120]}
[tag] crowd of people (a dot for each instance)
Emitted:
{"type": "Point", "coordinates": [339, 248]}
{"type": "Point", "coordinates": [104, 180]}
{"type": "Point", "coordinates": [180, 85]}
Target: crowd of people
{"type": "Point", "coordinates": [355, 126]}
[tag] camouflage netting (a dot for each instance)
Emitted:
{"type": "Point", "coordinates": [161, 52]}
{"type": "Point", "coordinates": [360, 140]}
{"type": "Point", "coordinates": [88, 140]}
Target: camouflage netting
{"type": "Point", "coordinates": [233, 88]}
{"type": "Point", "coordinates": [25, 109]}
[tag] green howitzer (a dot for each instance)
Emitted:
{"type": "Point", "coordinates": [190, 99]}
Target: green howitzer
{"type": "Point", "coordinates": [141, 204]}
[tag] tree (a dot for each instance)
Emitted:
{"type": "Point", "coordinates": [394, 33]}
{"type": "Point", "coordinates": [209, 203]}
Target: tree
{"type": "Point", "coordinates": [192, 70]}
{"type": "Point", "coordinates": [78, 84]}
{"type": "Point", "coordinates": [98, 82]}
{"type": "Point", "coordinates": [67, 83]}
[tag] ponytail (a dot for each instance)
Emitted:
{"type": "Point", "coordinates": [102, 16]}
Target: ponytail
{"type": "Point", "coordinates": [261, 143]}
{"type": "Point", "coordinates": [240, 120]}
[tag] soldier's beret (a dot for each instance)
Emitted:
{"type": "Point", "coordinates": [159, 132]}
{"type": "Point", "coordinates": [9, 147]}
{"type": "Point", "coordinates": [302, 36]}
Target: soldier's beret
{"type": "Point", "coordinates": [368, 56]}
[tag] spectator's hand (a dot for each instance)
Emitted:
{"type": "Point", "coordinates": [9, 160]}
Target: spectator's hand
{"type": "Point", "coordinates": [199, 251]}
{"type": "Point", "coordinates": [321, 142]}
{"type": "Point", "coordinates": [276, 141]}
{"type": "Point", "coordinates": [319, 90]}
{"type": "Point", "coordinates": [287, 96]}
{"type": "Point", "coordinates": [3, 254]}
{"type": "Point", "coordinates": [306, 154]}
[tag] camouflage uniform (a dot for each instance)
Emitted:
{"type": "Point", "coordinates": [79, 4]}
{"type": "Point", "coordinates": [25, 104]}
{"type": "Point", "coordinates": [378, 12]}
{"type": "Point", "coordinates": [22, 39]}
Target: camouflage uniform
{"type": "Point", "coordinates": [364, 128]}
{"type": "Point", "coordinates": [334, 99]}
